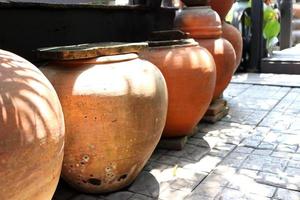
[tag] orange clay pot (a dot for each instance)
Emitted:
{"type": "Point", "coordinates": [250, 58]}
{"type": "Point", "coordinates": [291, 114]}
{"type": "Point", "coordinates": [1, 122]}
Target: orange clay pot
{"type": "Point", "coordinates": [234, 36]}
{"type": "Point", "coordinates": [221, 6]}
{"type": "Point", "coordinates": [31, 133]}
{"type": "Point", "coordinates": [196, 19]}
{"type": "Point", "coordinates": [115, 110]}
{"type": "Point", "coordinates": [190, 74]}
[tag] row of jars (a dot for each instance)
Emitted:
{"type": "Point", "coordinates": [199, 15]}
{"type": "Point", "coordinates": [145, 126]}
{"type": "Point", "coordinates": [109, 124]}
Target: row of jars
{"type": "Point", "coordinates": [114, 109]}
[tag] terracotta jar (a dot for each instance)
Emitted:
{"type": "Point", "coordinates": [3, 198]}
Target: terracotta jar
{"type": "Point", "coordinates": [31, 133]}
{"type": "Point", "coordinates": [115, 109]}
{"type": "Point", "coordinates": [204, 25]}
{"type": "Point", "coordinates": [234, 36]}
{"type": "Point", "coordinates": [190, 74]}
{"type": "Point", "coordinates": [296, 10]}
{"type": "Point", "coordinates": [221, 6]}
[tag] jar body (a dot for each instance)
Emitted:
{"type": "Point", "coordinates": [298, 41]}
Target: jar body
{"type": "Point", "coordinates": [32, 131]}
{"type": "Point", "coordinates": [234, 36]}
{"type": "Point", "coordinates": [225, 59]}
{"type": "Point", "coordinates": [190, 75]}
{"type": "Point", "coordinates": [115, 113]}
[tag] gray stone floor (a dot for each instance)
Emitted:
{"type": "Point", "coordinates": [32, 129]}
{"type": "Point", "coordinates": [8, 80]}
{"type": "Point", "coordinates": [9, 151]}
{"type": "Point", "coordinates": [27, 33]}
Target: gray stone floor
{"type": "Point", "coordinates": [253, 153]}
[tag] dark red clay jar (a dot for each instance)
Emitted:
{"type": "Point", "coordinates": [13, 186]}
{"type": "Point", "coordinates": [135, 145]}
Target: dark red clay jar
{"type": "Point", "coordinates": [31, 131]}
{"type": "Point", "coordinates": [204, 25]}
{"type": "Point", "coordinates": [234, 36]}
{"type": "Point", "coordinates": [190, 74]}
{"type": "Point", "coordinates": [115, 110]}
{"type": "Point", "coordinates": [221, 6]}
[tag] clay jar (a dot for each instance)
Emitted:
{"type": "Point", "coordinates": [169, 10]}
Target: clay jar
{"type": "Point", "coordinates": [31, 133]}
{"type": "Point", "coordinates": [234, 36]}
{"type": "Point", "coordinates": [204, 25]}
{"type": "Point", "coordinates": [189, 71]}
{"type": "Point", "coordinates": [221, 6]}
{"type": "Point", "coordinates": [115, 109]}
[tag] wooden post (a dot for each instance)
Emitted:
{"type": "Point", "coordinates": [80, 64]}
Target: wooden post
{"type": "Point", "coordinates": [257, 36]}
{"type": "Point", "coordinates": [286, 10]}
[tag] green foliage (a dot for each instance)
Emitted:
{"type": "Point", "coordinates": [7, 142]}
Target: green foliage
{"type": "Point", "coordinates": [271, 25]}
{"type": "Point", "coordinates": [271, 29]}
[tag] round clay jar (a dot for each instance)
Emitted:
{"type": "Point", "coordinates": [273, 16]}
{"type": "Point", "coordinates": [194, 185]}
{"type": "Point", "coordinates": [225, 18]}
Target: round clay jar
{"type": "Point", "coordinates": [31, 133]}
{"type": "Point", "coordinates": [190, 74]}
{"type": "Point", "coordinates": [115, 110]}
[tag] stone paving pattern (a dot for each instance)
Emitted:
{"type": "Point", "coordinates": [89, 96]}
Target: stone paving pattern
{"type": "Point", "coordinates": [253, 153]}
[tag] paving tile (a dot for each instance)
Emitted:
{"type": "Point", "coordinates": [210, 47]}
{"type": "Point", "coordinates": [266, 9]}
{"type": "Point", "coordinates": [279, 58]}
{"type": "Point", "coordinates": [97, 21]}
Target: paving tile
{"type": "Point", "coordinates": [140, 197]}
{"type": "Point", "coordinates": [245, 116]}
{"type": "Point", "coordinates": [155, 166]}
{"type": "Point", "coordinates": [279, 180]}
{"type": "Point", "coordinates": [208, 190]}
{"type": "Point", "coordinates": [255, 162]}
{"type": "Point", "coordinates": [194, 196]}
{"type": "Point", "coordinates": [230, 194]}
{"type": "Point", "coordinates": [263, 152]}
{"type": "Point", "coordinates": [234, 90]}
{"type": "Point", "coordinates": [206, 164]}
{"type": "Point", "coordinates": [86, 197]}
{"type": "Point", "coordinates": [278, 121]}
{"type": "Point", "coordinates": [241, 149]}
{"type": "Point", "coordinates": [173, 194]}
{"type": "Point", "coordinates": [168, 160]}
{"type": "Point", "coordinates": [218, 180]}
{"type": "Point", "coordinates": [253, 103]}
{"type": "Point", "coordinates": [284, 194]}
{"type": "Point", "coordinates": [145, 184]}
{"type": "Point", "coordinates": [123, 195]}
{"type": "Point", "coordinates": [267, 145]}
{"type": "Point", "coordinates": [287, 148]}
{"type": "Point", "coordinates": [294, 164]}
{"type": "Point", "coordinates": [291, 171]}
{"type": "Point", "coordinates": [198, 142]}
{"type": "Point", "coordinates": [218, 153]}
{"type": "Point", "coordinates": [252, 143]}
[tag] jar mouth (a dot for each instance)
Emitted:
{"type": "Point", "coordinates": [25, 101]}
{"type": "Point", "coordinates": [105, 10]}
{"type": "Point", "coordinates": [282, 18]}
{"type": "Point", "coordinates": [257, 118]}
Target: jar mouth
{"type": "Point", "coordinates": [98, 60]}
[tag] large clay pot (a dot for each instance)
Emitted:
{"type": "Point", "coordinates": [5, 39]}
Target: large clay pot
{"type": "Point", "coordinates": [234, 36]}
{"type": "Point", "coordinates": [221, 6]}
{"type": "Point", "coordinates": [190, 74]}
{"type": "Point", "coordinates": [204, 25]}
{"type": "Point", "coordinates": [31, 131]}
{"type": "Point", "coordinates": [115, 109]}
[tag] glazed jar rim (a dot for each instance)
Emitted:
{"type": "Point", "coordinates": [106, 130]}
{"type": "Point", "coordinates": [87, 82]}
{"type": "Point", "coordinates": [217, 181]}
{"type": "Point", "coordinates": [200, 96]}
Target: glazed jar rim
{"type": "Point", "coordinates": [99, 60]}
